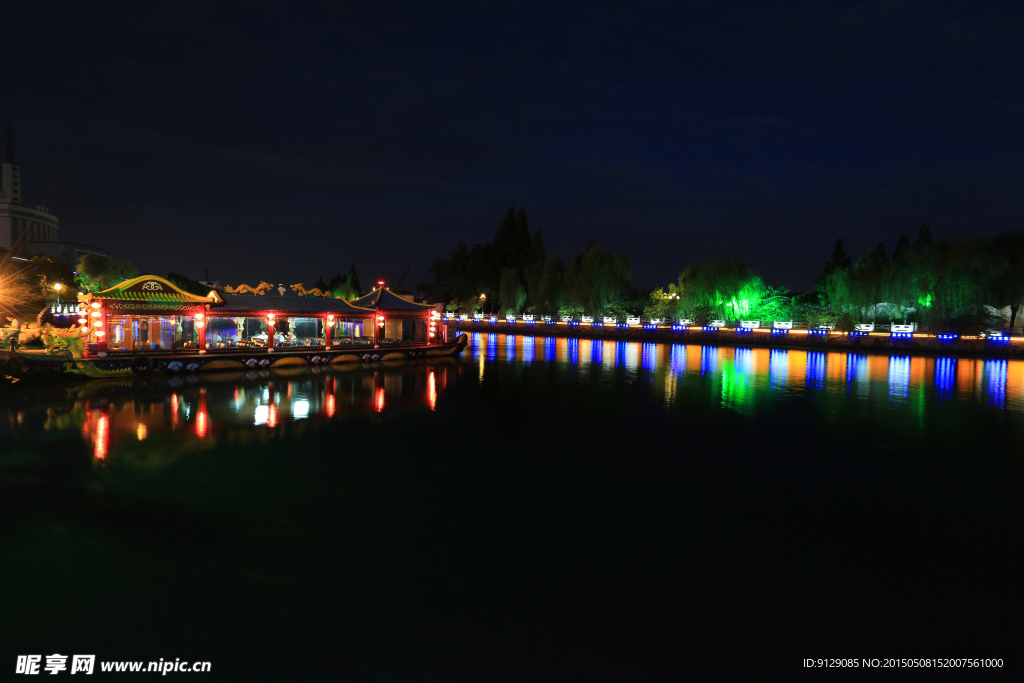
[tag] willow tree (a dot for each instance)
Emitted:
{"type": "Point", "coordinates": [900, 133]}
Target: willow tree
{"type": "Point", "coordinates": [598, 277]}
{"type": "Point", "coordinates": [550, 291]}
{"type": "Point", "coordinates": [957, 275]}
{"type": "Point", "coordinates": [833, 284]}
{"type": "Point", "coordinates": [868, 280]}
{"type": "Point", "coordinates": [903, 276]}
{"type": "Point", "coordinates": [533, 272]}
{"type": "Point", "coordinates": [511, 293]}
{"type": "Point", "coordinates": [721, 289]}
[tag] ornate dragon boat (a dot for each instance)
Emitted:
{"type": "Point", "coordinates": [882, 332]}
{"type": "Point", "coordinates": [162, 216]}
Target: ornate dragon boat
{"type": "Point", "coordinates": [147, 325]}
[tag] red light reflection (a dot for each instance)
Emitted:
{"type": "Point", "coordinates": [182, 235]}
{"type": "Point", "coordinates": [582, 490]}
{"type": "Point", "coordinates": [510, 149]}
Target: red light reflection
{"type": "Point", "coordinates": [378, 399]}
{"type": "Point", "coordinates": [202, 421]}
{"type": "Point", "coordinates": [431, 391]}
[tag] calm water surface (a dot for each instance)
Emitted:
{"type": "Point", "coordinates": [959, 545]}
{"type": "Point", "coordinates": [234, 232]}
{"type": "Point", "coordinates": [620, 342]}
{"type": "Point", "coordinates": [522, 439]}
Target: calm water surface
{"type": "Point", "coordinates": [543, 508]}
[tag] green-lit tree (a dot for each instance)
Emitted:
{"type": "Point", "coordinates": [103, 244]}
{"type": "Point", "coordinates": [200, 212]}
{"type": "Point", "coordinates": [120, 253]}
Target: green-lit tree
{"type": "Point", "coordinates": [96, 273]}
{"type": "Point", "coordinates": [511, 293]}
{"type": "Point", "coordinates": [776, 304]}
{"type": "Point", "coordinates": [660, 304]}
{"type": "Point", "coordinates": [719, 289]}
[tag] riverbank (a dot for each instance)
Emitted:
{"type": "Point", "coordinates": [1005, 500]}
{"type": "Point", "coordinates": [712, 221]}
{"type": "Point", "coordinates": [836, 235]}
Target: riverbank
{"type": "Point", "coordinates": [880, 342]}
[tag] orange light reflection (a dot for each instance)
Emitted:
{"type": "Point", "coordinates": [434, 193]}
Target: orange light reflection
{"type": "Point", "coordinates": [102, 443]}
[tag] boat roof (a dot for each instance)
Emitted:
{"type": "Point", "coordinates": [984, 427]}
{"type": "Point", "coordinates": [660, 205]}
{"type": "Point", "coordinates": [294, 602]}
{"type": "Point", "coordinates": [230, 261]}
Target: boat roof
{"type": "Point", "coordinates": [383, 297]}
{"type": "Point", "coordinates": [152, 289]}
{"type": "Point", "coordinates": [245, 303]}
{"type": "Point", "coordinates": [156, 291]}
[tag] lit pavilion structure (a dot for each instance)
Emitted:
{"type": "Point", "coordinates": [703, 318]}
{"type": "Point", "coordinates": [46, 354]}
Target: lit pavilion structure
{"type": "Point", "coordinates": [149, 313]}
{"type": "Point", "coordinates": [399, 319]}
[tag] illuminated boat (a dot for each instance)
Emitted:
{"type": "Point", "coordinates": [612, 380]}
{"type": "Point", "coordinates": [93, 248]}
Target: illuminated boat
{"type": "Point", "coordinates": [147, 325]}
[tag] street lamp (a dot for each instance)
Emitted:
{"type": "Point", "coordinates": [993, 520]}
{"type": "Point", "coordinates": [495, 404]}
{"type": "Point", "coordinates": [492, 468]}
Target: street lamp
{"type": "Point", "coordinates": [58, 287]}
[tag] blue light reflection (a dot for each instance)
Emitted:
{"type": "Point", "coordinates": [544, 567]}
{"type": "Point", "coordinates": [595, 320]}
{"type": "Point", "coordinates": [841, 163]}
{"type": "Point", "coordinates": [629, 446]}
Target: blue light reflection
{"type": "Point", "coordinates": [649, 356]}
{"type": "Point", "coordinates": [815, 378]}
{"type": "Point", "coordinates": [995, 379]}
{"type": "Point", "coordinates": [572, 349]}
{"type": "Point", "coordinates": [622, 355]}
{"type": "Point", "coordinates": [945, 378]}
{"type": "Point", "coordinates": [778, 368]}
{"type": "Point", "coordinates": [708, 359]}
{"type": "Point", "coordinates": [856, 371]}
{"type": "Point", "coordinates": [529, 349]}
{"type": "Point", "coordinates": [899, 378]}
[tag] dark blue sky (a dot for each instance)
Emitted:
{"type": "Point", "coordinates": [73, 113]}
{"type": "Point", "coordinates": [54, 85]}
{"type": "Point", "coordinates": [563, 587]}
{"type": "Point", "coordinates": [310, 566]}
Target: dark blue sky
{"type": "Point", "coordinates": [282, 143]}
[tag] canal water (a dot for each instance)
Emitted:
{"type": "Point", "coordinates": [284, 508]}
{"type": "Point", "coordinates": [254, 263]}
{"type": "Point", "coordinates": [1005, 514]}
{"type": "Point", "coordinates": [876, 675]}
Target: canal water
{"type": "Point", "coordinates": [538, 509]}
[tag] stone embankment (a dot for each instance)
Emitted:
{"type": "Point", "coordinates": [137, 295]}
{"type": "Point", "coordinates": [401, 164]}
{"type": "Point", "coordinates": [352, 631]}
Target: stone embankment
{"type": "Point", "coordinates": [881, 342]}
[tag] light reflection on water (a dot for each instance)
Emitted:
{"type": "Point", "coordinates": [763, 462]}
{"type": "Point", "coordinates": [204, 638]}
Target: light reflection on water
{"type": "Point", "coordinates": [899, 377]}
{"type": "Point", "coordinates": [995, 376]}
{"type": "Point", "coordinates": [529, 349]}
{"type": "Point", "coordinates": [550, 349]}
{"type": "Point", "coordinates": [111, 416]}
{"type": "Point", "coordinates": [744, 377]}
{"type": "Point", "coordinates": [921, 396]}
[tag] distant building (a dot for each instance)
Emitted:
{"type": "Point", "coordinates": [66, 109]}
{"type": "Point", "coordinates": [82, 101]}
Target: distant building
{"type": "Point", "coordinates": [25, 231]}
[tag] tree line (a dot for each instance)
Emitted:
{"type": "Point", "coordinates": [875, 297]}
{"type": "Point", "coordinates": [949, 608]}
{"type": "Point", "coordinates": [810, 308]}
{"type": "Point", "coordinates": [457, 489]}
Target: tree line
{"type": "Point", "coordinates": [945, 285]}
{"type": "Point", "coordinates": [948, 285]}
{"type": "Point", "coordinates": [514, 273]}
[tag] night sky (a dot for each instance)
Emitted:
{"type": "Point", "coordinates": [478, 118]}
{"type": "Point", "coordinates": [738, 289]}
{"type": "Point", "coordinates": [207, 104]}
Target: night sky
{"type": "Point", "coordinates": [274, 141]}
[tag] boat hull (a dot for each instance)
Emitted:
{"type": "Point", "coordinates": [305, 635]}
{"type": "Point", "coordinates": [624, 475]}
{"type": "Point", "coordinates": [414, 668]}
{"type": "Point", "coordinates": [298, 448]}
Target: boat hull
{"type": "Point", "coordinates": [28, 366]}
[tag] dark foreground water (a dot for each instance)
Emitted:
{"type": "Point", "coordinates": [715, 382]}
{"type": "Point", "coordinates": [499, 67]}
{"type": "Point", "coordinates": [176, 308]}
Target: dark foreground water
{"type": "Point", "coordinates": [540, 509]}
